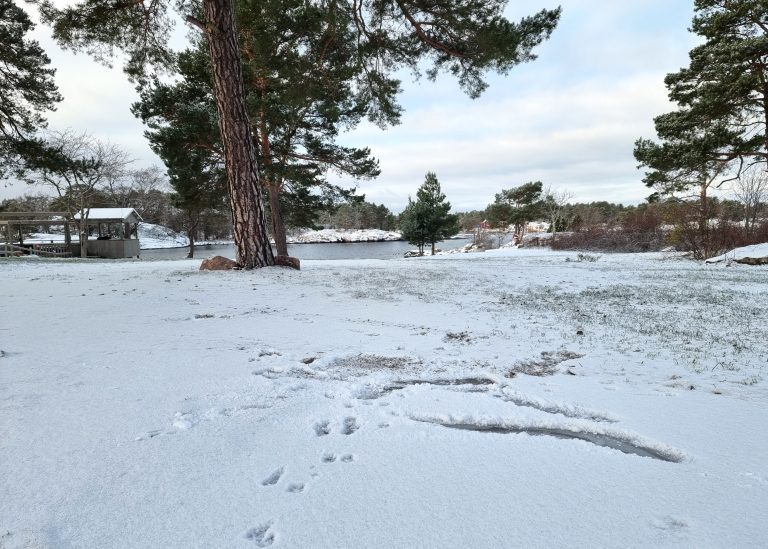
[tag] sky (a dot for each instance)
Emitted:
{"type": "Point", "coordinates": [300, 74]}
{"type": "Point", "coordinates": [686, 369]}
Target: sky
{"type": "Point", "coordinates": [568, 119]}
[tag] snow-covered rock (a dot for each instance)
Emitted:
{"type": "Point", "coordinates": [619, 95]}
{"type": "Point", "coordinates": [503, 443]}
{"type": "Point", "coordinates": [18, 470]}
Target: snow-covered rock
{"type": "Point", "coordinates": [747, 254]}
{"type": "Point", "coordinates": [343, 235]}
{"type": "Point", "coordinates": [154, 237]}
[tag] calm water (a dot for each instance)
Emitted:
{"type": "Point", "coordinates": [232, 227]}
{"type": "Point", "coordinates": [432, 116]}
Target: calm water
{"type": "Point", "coordinates": [351, 250]}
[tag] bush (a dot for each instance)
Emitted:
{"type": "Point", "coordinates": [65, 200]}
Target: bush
{"type": "Point", "coordinates": [611, 239]}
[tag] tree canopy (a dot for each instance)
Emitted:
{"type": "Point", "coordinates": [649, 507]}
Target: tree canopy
{"type": "Point", "coordinates": [27, 88]}
{"type": "Point", "coordinates": [299, 74]}
{"type": "Point", "coordinates": [517, 206]}
{"type": "Point", "coordinates": [722, 98]}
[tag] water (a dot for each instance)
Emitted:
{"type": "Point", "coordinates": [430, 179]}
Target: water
{"type": "Point", "coordinates": [347, 250]}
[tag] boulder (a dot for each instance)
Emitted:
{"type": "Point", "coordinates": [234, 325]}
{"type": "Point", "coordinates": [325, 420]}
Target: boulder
{"type": "Point", "coordinates": [218, 263]}
{"type": "Point", "coordinates": [752, 260]}
{"type": "Point", "coordinates": [288, 261]}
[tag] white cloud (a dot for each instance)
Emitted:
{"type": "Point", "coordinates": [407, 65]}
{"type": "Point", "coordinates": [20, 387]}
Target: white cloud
{"type": "Point", "coordinates": [579, 137]}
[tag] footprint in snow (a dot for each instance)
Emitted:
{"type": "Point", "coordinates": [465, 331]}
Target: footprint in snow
{"type": "Point", "coordinates": [183, 421]}
{"type": "Point", "coordinates": [273, 479]}
{"type": "Point", "coordinates": [349, 426]}
{"type": "Point", "coordinates": [669, 523]}
{"type": "Point", "coordinates": [322, 428]}
{"type": "Point", "coordinates": [295, 487]}
{"type": "Point", "coordinates": [261, 535]}
{"type": "Point", "coordinates": [330, 458]}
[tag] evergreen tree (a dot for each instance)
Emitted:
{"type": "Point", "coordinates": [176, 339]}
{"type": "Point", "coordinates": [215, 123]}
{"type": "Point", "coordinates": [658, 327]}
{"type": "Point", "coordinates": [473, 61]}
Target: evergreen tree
{"type": "Point", "coordinates": [465, 37]}
{"type": "Point", "coordinates": [27, 88]}
{"type": "Point", "coordinates": [722, 117]}
{"type": "Point", "coordinates": [428, 220]}
{"type": "Point", "coordinates": [299, 71]}
{"type": "Point", "coordinates": [413, 224]}
{"type": "Point", "coordinates": [517, 206]}
{"type": "Point", "coordinates": [722, 98]}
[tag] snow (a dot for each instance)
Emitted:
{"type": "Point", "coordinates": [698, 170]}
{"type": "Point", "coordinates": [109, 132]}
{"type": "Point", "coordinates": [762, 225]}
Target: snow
{"type": "Point", "coordinates": [153, 237]}
{"type": "Point", "coordinates": [754, 251]}
{"type": "Point", "coordinates": [442, 403]}
{"type": "Point", "coordinates": [95, 214]}
{"type": "Point", "coordinates": [344, 235]}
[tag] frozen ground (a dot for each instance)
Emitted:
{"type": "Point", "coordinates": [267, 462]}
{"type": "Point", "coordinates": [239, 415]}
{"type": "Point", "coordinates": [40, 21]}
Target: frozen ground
{"type": "Point", "coordinates": [504, 399]}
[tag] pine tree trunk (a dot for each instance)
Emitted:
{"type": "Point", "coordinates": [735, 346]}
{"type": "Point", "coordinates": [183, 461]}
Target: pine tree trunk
{"type": "Point", "coordinates": [245, 193]}
{"type": "Point", "coordinates": [278, 225]}
{"type": "Point", "coordinates": [273, 188]}
{"type": "Point", "coordinates": [703, 220]}
{"type": "Point", "coordinates": [191, 235]}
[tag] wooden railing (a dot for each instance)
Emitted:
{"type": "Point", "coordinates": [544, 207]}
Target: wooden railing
{"type": "Point", "coordinates": [41, 250]}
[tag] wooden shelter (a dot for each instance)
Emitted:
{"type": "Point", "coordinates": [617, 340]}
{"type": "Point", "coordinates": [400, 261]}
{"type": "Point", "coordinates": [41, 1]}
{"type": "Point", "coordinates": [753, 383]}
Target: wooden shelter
{"type": "Point", "coordinates": [116, 230]}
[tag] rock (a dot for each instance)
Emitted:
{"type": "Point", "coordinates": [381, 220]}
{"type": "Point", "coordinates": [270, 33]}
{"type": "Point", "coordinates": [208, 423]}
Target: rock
{"type": "Point", "coordinates": [218, 263]}
{"type": "Point", "coordinates": [288, 261]}
{"type": "Point", "coordinates": [752, 260]}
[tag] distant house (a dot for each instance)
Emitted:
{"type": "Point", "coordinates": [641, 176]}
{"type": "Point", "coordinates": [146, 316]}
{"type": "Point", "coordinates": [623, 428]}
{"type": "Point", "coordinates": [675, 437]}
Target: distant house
{"type": "Point", "coordinates": [116, 230]}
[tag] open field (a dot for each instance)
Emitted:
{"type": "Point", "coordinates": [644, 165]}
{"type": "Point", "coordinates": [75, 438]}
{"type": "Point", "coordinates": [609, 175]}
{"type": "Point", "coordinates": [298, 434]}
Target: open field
{"type": "Point", "coordinates": [505, 399]}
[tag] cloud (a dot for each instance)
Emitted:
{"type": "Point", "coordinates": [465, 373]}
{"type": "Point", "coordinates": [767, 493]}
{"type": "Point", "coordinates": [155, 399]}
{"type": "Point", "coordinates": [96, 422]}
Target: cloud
{"type": "Point", "coordinates": [580, 137]}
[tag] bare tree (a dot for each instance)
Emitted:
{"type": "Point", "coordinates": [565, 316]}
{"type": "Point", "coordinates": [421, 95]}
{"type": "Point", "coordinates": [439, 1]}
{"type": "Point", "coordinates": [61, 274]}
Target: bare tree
{"type": "Point", "coordinates": [554, 205]}
{"type": "Point", "coordinates": [80, 169]}
{"type": "Point", "coordinates": [751, 189]}
{"type": "Point", "coordinates": [146, 190]}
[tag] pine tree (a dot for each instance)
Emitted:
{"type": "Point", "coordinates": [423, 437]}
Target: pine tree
{"type": "Point", "coordinates": [464, 37]}
{"type": "Point", "coordinates": [721, 122]}
{"type": "Point", "coordinates": [27, 88]}
{"type": "Point", "coordinates": [722, 98]}
{"type": "Point", "coordinates": [517, 206]}
{"type": "Point", "coordinates": [428, 220]}
{"type": "Point", "coordinates": [299, 73]}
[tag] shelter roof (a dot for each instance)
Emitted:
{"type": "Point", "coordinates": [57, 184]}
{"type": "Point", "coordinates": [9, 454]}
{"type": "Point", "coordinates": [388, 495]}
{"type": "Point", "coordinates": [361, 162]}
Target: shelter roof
{"type": "Point", "coordinates": [125, 215]}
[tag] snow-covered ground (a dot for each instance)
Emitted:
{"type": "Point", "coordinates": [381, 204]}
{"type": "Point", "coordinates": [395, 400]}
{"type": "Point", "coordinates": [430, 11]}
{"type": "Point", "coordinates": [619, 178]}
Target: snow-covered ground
{"type": "Point", "coordinates": [504, 399]}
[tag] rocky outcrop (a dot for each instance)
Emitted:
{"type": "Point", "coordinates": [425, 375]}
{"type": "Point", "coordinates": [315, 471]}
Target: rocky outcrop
{"type": "Point", "coordinates": [218, 263]}
{"type": "Point", "coordinates": [752, 260]}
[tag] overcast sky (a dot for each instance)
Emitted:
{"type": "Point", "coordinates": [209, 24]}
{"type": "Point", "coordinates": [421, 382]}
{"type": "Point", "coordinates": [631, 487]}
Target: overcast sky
{"type": "Point", "coordinates": [569, 119]}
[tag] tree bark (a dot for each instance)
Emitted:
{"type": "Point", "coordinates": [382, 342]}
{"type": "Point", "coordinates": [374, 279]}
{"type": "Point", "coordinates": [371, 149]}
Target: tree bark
{"type": "Point", "coordinates": [245, 194]}
{"type": "Point", "coordinates": [704, 219]}
{"type": "Point", "coordinates": [273, 188]}
{"type": "Point", "coordinates": [278, 225]}
{"type": "Point", "coordinates": [191, 236]}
